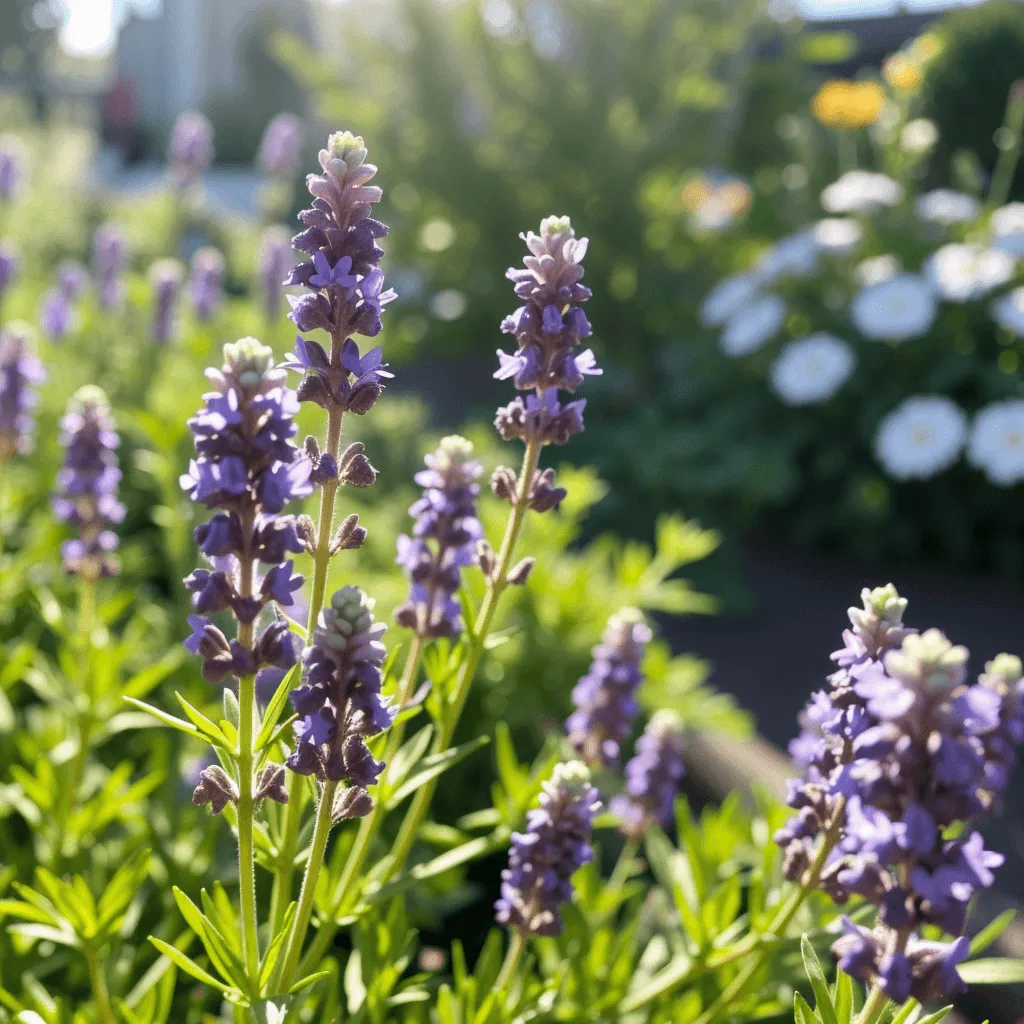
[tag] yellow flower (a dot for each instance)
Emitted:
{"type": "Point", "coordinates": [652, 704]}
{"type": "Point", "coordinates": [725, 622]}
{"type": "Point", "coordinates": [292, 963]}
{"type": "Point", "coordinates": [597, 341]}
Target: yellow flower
{"type": "Point", "coordinates": [848, 105]}
{"type": "Point", "coordinates": [925, 48]}
{"type": "Point", "coordinates": [902, 73]}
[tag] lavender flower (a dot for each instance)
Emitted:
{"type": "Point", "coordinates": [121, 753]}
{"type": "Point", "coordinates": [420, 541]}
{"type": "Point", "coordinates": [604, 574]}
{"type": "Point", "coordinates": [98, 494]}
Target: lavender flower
{"type": "Point", "coordinates": [652, 776]}
{"type": "Point", "coordinates": [20, 374]}
{"type": "Point", "coordinates": [55, 314]}
{"type": "Point", "coordinates": [247, 468]}
{"type": "Point", "coordinates": [542, 860]}
{"type": "Point", "coordinates": [109, 256]}
{"type": "Point", "coordinates": [12, 165]}
{"type": "Point", "coordinates": [204, 286]}
{"type": "Point", "coordinates": [444, 539]}
{"type": "Point", "coordinates": [87, 484]}
{"type": "Point", "coordinates": [191, 149]}
{"type": "Point", "coordinates": [547, 330]}
{"type": "Point", "coordinates": [897, 752]}
{"type": "Point", "coordinates": [165, 276]}
{"type": "Point", "coordinates": [275, 257]}
{"type": "Point", "coordinates": [8, 265]}
{"type": "Point", "coordinates": [72, 278]}
{"type": "Point", "coordinates": [605, 698]}
{"type": "Point", "coordinates": [281, 146]}
{"type": "Point", "coordinates": [339, 703]}
{"type": "Point", "coordinates": [344, 284]}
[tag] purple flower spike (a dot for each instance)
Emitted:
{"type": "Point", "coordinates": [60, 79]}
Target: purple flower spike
{"type": "Point", "coordinates": [20, 374]}
{"type": "Point", "coordinates": [275, 258]}
{"type": "Point", "coordinates": [345, 286]}
{"type": "Point", "coordinates": [72, 279]}
{"type": "Point", "coordinates": [12, 166]}
{"type": "Point", "coordinates": [8, 265]}
{"type": "Point", "coordinates": [87, 485]}
{"type": "Point", "coordinates": [444, 540]}
{"type": "Point", "coordinates": [652, 776]}
{"type": "Point", "coordinates": [605, 698]}
{"type": "Point", "coordinates": [248, 469]}
{"type": "Point", "coordinates": [543, 859]}
{"type": "Point", "coordinates": [55, 314]}
{"type": "Point", "coordinates": [547, 329]}
{"type": "Point", "coordinates": [165, 276]}
{"type": "Point", "coordinates": [206, 282]}
{"type": "Point", "coordinates": [191, 149]}
{"type": "Point", "coordinates": [917, 753]}
{"type": "Point", "coordinates": [339, 702]}
{"type": "Point", "coordinates": [109, 256]}
{"type": "Point", "coordinates": [281, 147]}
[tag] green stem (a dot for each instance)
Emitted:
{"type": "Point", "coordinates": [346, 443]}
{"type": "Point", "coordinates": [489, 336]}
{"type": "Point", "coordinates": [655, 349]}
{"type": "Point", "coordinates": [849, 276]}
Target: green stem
{"type": "Point", "coordinates": [290, 959]}
{"type": "Point", "coordinates": [515, 950]}
{"type": "Point", "coordinates": [873, 1007]}
{"type": "Point", "coordinates": [467, 670]}
{"type": "Point", "coordinates": [369, 824]}
{"type": "Point", "coordinates": [246, 811]}
{"type": "Point", "coordinates": [1010, 138]}
{"type": "Point", "coordinates": [626, 857]}
{"type": "Point", "coordinates": [104, 1011]}
{"type": "Point", "coordinates": [282, 890]}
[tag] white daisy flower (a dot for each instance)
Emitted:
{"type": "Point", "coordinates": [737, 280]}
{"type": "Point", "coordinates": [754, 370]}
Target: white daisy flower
{"type": "Point", "coordinates": [962, 271]}
{"type": "Point", "coordinates": [861, 192]}
{"type": "Point", "coordinates": [944, 206]}
{"type": "Point", "coordinates": [1007, 224]}
{"type": "Point", "coordinates": [793, 256]}
{"type": "Point", "coordinates": [1008, 311]}
{"type": "Point", "coordinates": [918, 136]}
{"type": "Point", "coordinates": [840, 235]}
{"type": "Point", "coordinates": [922, 436]}
{"type": "Point", "coordinates": [997, 442]}
{"type": "Point", "coordinates": [727, 297]}
{"type": "Point", "coordinates": [877, 269]}
{"type": "Point", "coordinates": [812, 369]}
{"type": "Point", "coordinates": [894, 309]}
{"type": "Point", "coordinates": [753, 326]}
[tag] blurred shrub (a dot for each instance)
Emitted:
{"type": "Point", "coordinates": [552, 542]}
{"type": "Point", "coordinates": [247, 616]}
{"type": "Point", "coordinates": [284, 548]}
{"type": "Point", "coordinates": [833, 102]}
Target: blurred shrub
{"type": "Point", "coordinates": [968, 82]}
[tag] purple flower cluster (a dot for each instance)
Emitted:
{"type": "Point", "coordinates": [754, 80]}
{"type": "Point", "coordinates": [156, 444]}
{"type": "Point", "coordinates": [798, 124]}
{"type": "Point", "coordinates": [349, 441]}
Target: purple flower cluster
{"type": "Point", "coordinates": [109, 256]}
{"type": "Point", "coordinates": [281, 146]}
{"type": "Point", "coordinates": [206, 281]}
{"type": "Point", "coordinates": [344, 284]}
{"type": "Point", "coordinates": [653, 775]}
{"type": "Point", "coordinates": [605, 698]}
{"type": "Point", "coordinates": [543, 859]}
{"type": "Point", "coordinates": [273, 262]}
{"type": "Point", "coordinates": [191, 148]}
{"type": "Point", "coordinates": [87, 485]}
{"type": "Point", "coordinates": [165, 275]}
{"type": "Point", "coordinates": [547, 329]}
{"type": "Point", "coordinates": [901, 754]}
{"type": "Point", "coordinates": [20, 374]}
{"type": "Point", "coordinates": [339, 702]}
{"type": "Point", "coordinates": [248, 469]}
{"type": "Point", "coordinates": [57, 312]}
{"type": "Point", "coordinates": [444, 539]}
{"type": "Point", "coordinates": [12, 165]}
{"type": "Point", "coordinates": [72, 278]}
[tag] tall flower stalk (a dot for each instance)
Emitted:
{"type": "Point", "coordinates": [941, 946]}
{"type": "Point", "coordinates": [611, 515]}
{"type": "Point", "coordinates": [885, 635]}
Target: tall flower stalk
{"type": "Point", "coordinates": [247, 469]}
{"type": "Point", "coordinates": [344, 296]}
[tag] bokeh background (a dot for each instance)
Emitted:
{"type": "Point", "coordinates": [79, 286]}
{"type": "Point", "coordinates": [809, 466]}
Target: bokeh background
{"type": "Point", "coordinates": [693, 142]}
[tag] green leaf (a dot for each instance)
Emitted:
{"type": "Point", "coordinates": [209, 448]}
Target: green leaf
{"type": "Point", "coordinates": [993, 971]}
{"type": "Point", "coordinates": [802, 1012]}
{"type": "Point", "coordinates": [431, 767]}
{"type": "Point", "coordinates": [217, 948]}
{"type": "Point", "coordinates": [938, 1016]}
{"type": "Point", "coordinates": [204, 725]}
{"type": "Point", "coordinates": [190, 967]}
{"type": "Point", "coordinates": [844, 998]}
{"type": "Point", "coordinates": [822, 998]}
{"type": "Point", "coordinates": [906, 1011]}
{"type": "Point", "coordinates": [310, 979]}
{"type": "Point", "coordinates": [992, 931]}
{"type": "Point", "coordinates": [167, 719]}
{"type": "Point", "coordinates": [274, 950]}
{"type": "Point", "coordinates": [276, 706]}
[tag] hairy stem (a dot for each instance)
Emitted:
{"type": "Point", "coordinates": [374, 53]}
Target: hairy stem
{"type": "Point", "coordinates": [100, 996]}
{"type": "Point", "coordinates": [873, 1006]}
{"type": "Point", "coordinates": [282, 891]}
{"type": "Point", "coordinates": [516, 946]}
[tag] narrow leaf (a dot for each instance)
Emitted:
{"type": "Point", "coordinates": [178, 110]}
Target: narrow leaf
{"type": "Point", "coordinates": [993, 971]}
{"type": "Point", "coordinates": [822, 998]}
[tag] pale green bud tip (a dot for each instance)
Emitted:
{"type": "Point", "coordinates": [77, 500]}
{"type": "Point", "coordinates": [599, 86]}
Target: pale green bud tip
{"type": "Point", "coordinates": [248, 358]}
{"type": "Point", "coordinates": [454, 446]}
{"type": "Point", "coordinates": [1005, 666]}
{"type": "Point", "coordinates": [89, 396]}
{"type": "Point", "coordinates": [627, 617]}
{"type": "Point", "coordinates": [886, 603]}
{"type": "Point", "coordinates": [556, 226]}
{"type": "Point", "coordinates": [666, 720]}
{"type": "Point", "coordinates": [932, 658]}
{"type": "Point", "coordinates": [341, 144]}
{"type": "Point", "coordinates": [350, 603]}
{"type": "Point", "coordinates": [571, 776]}
{"type": "Point", "coordinates": [166, 269]}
